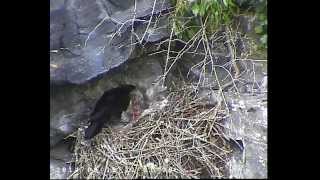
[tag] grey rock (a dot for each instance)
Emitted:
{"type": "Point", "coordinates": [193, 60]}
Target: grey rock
{"type": "Point", "coordinates": [56, 4]}
{"type": "Point", "coordinates": [209, 97]}
{"type": "Point", "coordinates": [246, 4]}
{"type": "Point", "coordinates": [59, 169]}
{"type": "Point", "coordinates": [196, 74]}
{"type": "Point", "coordinates": [88, 39]}
{"type": "Point", "coordinates": [71, 104]}
{"type": "Point", "coordinates": [248, 122]}
{"type": "Point", "coordinates": [55, 136]}
{"type": "Point", "coordinates": [246, 23]}
{"type": "Point", "coordinates": [61, 160]}
{"type": "Point", "coordinates": [157, 30]}
{"type": "Point", "coordinates": [62, 151]}
{"type": "Point", "coordinates": [254, 77]}
{"type": "Point", "coordinates": [247, 102]}
{"type": "Point", "coordinates": [90, 64]}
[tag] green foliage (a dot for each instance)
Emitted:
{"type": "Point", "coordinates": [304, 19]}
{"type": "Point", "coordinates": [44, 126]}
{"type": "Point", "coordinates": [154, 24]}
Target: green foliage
{"type": "Point", "coordinates": [262, 23]}
{"type": "Point", "coordinates": [189, 17]}
{"type": "Point", "coordinates": [209, 13]}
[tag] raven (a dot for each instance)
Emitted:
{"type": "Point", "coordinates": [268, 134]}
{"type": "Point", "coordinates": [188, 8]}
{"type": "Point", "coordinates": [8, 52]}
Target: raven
{"type": "Point", "coordinates": [110, 105]}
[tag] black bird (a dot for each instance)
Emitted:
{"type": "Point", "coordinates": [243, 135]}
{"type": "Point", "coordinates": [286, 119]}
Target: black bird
{"type": "Point", "coordinates": [111, 104]}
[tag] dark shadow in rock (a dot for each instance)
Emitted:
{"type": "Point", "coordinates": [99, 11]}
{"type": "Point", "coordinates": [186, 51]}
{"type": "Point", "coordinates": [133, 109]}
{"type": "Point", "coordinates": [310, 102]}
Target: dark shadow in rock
{"type": "Point", "coordinates": [63, 149]}
{"type": "Point", "coordinates": [108, 107]}
{"type": "Point", "coordinates": [57, 26]}
{"type": "Point", "coordinates": [61, 164]}
{"type": "Point", "coordinates": [237, 145]}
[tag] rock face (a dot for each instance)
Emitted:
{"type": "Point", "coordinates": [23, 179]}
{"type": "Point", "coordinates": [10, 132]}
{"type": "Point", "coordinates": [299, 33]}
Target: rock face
{"type": "Point", "coordinates": [58, 169]}
{"type": "Point", "coordinates": [249, 4]}
{"type": "Point", "coordinates": [248, 123]}
{"type": "Point", "coordinates": [246, 99]}
{"type": "Point", "coordinates": [92, 50]}
{"type": "Point", "coordinates": [71, 104]}
{"type": "Point", "coordinates": [90, 45]}
{"type": "Point", "coordinates": [89, 38]}
{"type": "Point", "coordinates": [60, 156]}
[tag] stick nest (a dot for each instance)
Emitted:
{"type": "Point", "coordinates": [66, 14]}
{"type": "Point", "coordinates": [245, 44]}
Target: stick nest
{"type": "Point", "coordinates": [182, 138]}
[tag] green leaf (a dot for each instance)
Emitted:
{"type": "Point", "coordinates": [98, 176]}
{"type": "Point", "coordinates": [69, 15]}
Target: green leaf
{"type": "Point", "coordinates": [258, 29]}
{"type": "Point", "coordinates": [265, 22]}
{"type": "Point", "coordinates": [262, 17]}
{"type": "Point", "coordinates": [195, 9]}
{"type": "Point", "coordinates": [207, 5]}
{"type": "Point", "coordinates": [225, 3]}
{"type": "Point", "coordinates": [264, 39]}
{"type": "Point", "coordinates": [202, 9]}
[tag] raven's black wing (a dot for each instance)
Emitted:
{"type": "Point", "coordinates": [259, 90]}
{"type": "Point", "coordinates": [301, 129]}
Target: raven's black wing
{"type": "Point", "coordinates": [93, 129]}
{"type": "Point", "coordinates": [112, 103]}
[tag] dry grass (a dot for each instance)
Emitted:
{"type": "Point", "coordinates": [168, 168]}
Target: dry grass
{"type": "Point", "coordinates": [183, 139]}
